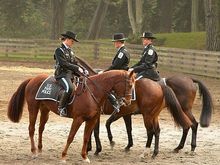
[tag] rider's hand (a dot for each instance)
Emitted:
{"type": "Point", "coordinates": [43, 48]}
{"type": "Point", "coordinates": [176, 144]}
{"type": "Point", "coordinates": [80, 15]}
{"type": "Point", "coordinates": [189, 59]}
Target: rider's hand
{"type": "Point", "coordinates": [80, 70]}
{"type": "Point", "coordinates": [130, 69]}
{"type": "Point", "coordinates": [86, 72]}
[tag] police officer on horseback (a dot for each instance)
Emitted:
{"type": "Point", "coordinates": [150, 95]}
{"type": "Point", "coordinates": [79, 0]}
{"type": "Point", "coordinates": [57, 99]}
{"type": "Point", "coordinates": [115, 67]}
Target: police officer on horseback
{"type": "Point", "coordinates": [66, 68]}
{"type": "Point", "coordinates": [147, 65]}
{"type": "Point", "coordinates": [120, 62]}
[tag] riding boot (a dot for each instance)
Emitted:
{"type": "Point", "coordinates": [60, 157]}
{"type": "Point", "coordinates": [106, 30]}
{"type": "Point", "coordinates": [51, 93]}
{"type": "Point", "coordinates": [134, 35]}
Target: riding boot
{"type": "Point", "coordinates": [115, 104]}
{"type": "Point", "coordinates": [62, 104]}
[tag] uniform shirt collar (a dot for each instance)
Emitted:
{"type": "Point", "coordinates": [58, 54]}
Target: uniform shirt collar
{"type": "Point", "coordinates": [67, 47]}
{"type": "Point", "coordinates": [121, 46]}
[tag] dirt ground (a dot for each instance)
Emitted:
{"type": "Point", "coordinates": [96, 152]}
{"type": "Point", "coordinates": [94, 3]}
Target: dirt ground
{"type": "Point", "coordinates": [15, 144]}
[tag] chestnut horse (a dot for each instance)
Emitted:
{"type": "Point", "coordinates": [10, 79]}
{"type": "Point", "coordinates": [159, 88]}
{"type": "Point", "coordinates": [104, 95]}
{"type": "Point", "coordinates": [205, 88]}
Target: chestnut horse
{"type": "Point", "coordinates": [185, 91]}
{"type": "Point", "coordinates": [86, 107]}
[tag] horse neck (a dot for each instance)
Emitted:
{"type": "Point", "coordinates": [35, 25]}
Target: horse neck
{"type": "Point", "coordinates": [85, 65]}
{"type": "Point", "coordinates": [105, 82]}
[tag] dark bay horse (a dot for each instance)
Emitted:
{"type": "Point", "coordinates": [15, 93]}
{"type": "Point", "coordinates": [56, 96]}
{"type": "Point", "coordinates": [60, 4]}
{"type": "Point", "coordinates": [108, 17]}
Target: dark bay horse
{"type": "Point", "coordinates": [86, 107]}
{"type": "Point", "coordinates": [185, 91]}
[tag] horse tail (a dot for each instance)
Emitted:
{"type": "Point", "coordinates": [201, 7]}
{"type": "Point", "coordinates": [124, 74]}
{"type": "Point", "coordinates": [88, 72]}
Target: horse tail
{"type": "Point", "coordinates": [175, 108]}
{"type": "Point", "coordinates": [207, 104]}
{"type": "Point", "coordinates": [16, 103]}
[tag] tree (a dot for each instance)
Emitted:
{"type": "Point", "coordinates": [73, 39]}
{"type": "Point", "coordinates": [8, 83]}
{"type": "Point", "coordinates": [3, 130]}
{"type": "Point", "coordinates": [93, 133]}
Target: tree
{"type": "Point", "coordinates": [165, 15]}
{"type": "Point", "coordinates": [136, 22]}
{"type": "Point", "coordinates": [212, 18]}
{"type": "Point", "coordinates": [58, 7]}
{"type": "Point", "coordinates": [194, 15]}
{"type": "Point", "coordinates": [97, 21]}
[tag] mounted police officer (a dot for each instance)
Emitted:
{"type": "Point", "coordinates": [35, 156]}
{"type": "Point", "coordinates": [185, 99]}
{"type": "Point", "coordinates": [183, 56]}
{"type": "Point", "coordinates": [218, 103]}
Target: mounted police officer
{"type": "Point", "coordinates": [146, 67]}
{"type": "Point", "coordinates": [66, 68]}
{"type": "Point", "coordinates": [120, 62]}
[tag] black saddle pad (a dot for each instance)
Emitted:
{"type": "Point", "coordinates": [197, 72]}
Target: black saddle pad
{"type": "Point", "coordinates": [49, 90]}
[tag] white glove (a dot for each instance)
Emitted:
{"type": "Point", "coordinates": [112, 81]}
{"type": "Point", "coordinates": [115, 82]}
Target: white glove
{"type": "Point", "coordinates": [86, 72]}
{"type": "Point", "coordinates": [80, 70]}
{"type": "Point", "coordinates": [100, 72]}
{"type": "Point", "coordinates": [130, 69]}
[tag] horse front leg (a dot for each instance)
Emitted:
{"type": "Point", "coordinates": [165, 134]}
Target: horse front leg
{"type": "Point", "coordinates": [110, 120]}
{"type": "Point", "coordinates": [74, 128]}
{"type": "Point", "coordinates": [128, 124]}
{"type": "Point", "coordinates": [97, 139]}
{"type": "Point", "coordinates": [89, 126]}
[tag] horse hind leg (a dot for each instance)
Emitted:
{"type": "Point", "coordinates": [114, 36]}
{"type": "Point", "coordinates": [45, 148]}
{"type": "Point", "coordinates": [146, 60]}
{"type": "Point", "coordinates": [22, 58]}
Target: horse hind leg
{"type": "Point", "coordinates": [43, 120]}
{"type": "Point", "coordinates": [33, 111]}
{"type": "Point", "coordinates": [185, 133]}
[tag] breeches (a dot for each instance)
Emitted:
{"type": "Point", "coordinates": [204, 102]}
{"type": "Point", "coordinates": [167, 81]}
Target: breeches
{"type": "Point", "coordinates": [67, 85]}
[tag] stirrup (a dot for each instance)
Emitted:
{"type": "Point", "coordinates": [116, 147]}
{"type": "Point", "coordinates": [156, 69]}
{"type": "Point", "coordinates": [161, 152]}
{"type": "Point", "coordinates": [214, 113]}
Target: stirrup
{"type": "Point", "coordinates": [116, 108]}
{"type": "Point", "coordinates": [63, 112]}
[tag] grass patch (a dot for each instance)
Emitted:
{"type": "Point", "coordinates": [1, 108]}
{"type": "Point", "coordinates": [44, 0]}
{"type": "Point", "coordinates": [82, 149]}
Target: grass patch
{"type": "Point", "coordinates": [193, 40]}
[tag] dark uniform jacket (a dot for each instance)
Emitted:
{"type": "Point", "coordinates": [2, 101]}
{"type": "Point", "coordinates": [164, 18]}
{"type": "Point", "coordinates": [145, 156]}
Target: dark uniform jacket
{"type": "Point", "coordinates": [121, 60]}
{"type": "Point", "coordinates": [146, 67]}
{"type": "Point", "coordinates": [66, 64]}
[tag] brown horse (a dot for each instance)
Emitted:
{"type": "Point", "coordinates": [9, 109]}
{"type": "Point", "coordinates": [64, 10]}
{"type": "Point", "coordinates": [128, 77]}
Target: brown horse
{"type": "Point", "coordinates": [185, 91]}
{"type": "Point", "coordinates": [94, 95]}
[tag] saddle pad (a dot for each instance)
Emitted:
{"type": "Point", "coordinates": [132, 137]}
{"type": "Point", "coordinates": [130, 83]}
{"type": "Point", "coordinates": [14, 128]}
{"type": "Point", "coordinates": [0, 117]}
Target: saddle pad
{"type": "Point", "coordinates": [49, 90]}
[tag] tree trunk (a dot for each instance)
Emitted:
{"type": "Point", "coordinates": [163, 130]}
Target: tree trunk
{"type": "Point", "coordinates": [131, 17]}
{"type": "Point", "coordinates": [212, 17]}
{"type": "Point", "coordinates": [166, 11]}
{"type": "Point", "coordinates": [139, 16]}
{"type": "Point", "coordinates": [194, 15]}
{"type": "Point", "coordinates": [96, 24]}
{"type": "Point", "coordinates": [58, 7]}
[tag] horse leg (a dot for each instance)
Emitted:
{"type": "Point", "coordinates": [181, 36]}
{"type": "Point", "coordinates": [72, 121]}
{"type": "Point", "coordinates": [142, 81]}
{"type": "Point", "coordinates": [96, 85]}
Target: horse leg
{"type": "Point", "coordinates": [194, 128]}
{"type": "Point", "coordinates": [89, 126]}
{"type": "Point", "coordinates": [128, 124]}
{"type": "Point", "coordinates": [182, 141]}
{"type": "Point", "coordinates": [157, 137]}
{"type": "Point", "coordinates": [74, 128]}
{"type": "Point", "coordinates": [43, 120]}
{"type": "Point", "coordinates": [185, 133]}
{"type": "Point", "coordinates": [33, 111]}
{"type": "Point", "coordinates": [150, 134]}
{"type": "Point", "coordinates": [111, 119]}
{"type": "Point", "coordinates": [97, 139]}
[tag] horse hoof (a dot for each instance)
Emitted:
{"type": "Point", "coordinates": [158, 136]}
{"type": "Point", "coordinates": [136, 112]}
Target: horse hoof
{"type": "Point", "coordinates": [86, 160]}
{"type": "Point", "coordinates": [112, 143]}
{"type": "Point", "coordinates": [145, 153]}
{"type": "Point", "coordinates": [34, 156]}
{"type": "Point", "coordinates": [127, 149]}
{"type": "Point", "coordinates": [63, 161]}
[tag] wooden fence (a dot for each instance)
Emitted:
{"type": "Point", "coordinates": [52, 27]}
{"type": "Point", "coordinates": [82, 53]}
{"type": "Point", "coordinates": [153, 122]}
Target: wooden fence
{"type": "Point", "coordinates": [186, 61]}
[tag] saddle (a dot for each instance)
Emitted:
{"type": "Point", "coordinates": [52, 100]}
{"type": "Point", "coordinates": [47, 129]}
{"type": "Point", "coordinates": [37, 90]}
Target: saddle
{"type": "Point", "coordinates": [50, 89]}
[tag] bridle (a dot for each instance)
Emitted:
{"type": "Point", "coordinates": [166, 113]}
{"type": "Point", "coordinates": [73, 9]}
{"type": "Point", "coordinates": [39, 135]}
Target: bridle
{"type": "Point", "coordinates": [121, 99]}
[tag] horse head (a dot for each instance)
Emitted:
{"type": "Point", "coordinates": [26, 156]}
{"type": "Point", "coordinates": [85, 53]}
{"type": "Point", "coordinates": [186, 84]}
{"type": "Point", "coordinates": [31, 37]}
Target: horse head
{"type": "Point", "coordinates": [124, 87]}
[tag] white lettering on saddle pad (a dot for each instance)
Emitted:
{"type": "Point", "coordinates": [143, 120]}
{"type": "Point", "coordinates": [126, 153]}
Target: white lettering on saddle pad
{"type": "Point", "coordinates": [47, 89]}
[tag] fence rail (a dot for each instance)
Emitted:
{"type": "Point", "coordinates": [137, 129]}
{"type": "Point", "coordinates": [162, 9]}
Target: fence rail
{"type": "Point", "coordinates": [205, 63]}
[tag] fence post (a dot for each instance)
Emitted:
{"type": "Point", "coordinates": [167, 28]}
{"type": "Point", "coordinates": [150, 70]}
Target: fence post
{"type": "Point", "coordinates": [96, 50]}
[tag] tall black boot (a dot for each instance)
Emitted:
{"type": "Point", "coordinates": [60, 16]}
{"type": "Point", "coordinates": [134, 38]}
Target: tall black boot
{"type": "Point", "coordinates": [115, 104]}
{"type": "Point", "coordinates": [62, 104]}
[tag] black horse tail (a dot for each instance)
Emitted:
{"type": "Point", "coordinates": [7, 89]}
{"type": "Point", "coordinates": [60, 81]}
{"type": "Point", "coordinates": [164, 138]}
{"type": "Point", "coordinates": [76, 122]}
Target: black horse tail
{"type": "Point", "coordinates": [16, 103]}
{"type": "Point", "coordinates": [175, 108]}
{"type": "Point", "coordinates": [207, 104]}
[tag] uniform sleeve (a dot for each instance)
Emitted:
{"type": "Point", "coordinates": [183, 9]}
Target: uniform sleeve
{"type": "Point", "coordinates": [118, 62]}
{"type": "Point", "coordinates": [59, 55]}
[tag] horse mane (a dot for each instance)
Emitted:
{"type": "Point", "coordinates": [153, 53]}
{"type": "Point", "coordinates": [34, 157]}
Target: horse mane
{"type": "Point", "coordinates": [85, 64]}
